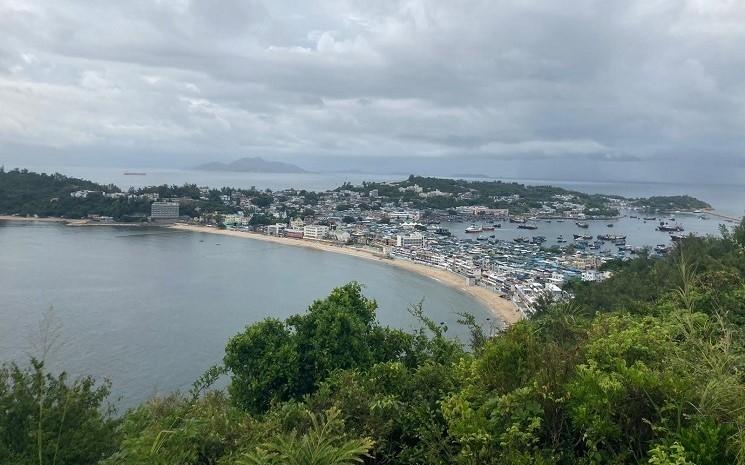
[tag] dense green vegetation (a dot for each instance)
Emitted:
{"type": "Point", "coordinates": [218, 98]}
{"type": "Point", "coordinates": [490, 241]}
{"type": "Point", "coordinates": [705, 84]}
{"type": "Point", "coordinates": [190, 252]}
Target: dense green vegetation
{"type": "Point", "coordinates": [27, 193]}
{"type": "Point", "coordinates": [671, 203]}
{"type": "Point", "coordinates": [492, 194]}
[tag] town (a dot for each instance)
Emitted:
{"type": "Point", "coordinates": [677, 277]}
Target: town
{"type": "Point", "coordinates": [395, 221]}
{"type": "Point", "coordinates": [447, 224]}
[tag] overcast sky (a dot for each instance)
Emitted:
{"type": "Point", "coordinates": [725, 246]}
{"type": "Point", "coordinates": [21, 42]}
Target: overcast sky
{"type": "Point", "coordinates": [575, 82]}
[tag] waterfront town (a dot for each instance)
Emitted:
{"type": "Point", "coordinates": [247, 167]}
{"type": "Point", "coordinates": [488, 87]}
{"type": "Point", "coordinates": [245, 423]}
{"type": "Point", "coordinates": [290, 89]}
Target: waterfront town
{"type": "Point", "coordinates": [465, 228]}
{"type": "Point", "coordinates": [397, 225]}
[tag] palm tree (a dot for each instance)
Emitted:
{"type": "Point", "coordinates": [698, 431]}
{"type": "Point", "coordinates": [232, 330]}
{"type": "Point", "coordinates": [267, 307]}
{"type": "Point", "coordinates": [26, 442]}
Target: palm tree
{"type": "Point", "coordinates": [321, 445]}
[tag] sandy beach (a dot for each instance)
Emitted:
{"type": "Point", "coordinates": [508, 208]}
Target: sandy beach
{"type": "Point", "coordinates": [501, 308]}
{"type": "Point", "coordinates": [27, 218]}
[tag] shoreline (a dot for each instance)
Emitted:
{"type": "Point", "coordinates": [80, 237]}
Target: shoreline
{"type": "Point", "coordinates": [499, 307]}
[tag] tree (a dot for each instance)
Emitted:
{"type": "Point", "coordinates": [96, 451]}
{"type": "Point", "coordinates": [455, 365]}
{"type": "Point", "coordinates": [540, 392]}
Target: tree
{"type": "Point", "coordinates": [49, 419]}
{"type": "Point", "coordinates": [323, 444]}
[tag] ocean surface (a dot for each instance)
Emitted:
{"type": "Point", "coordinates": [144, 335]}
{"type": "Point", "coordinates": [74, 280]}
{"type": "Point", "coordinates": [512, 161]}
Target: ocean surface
{"type": "Point", "coordinates": [151, 309]}
{"type": "Point", "coordinates": [728, 199]}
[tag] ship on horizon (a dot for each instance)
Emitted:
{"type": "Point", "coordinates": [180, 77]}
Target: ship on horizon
{"type": "Point", "coordinates": [134, 173]}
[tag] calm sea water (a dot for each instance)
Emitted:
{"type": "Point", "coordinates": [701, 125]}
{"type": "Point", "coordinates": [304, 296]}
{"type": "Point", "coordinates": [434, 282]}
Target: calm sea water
{"type": "Point", "coordinates": [151, 309]}
{"type": "Point", "coordinates": [638, 232]}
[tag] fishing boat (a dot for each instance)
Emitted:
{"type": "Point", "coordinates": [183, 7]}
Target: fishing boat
{"type": "Point", "coordinates": [610, 237]}
{"type": "Point", "coordinates": [660, 248]}
{"type": "Point", "coordinates": [581, 224]}
{"type": "Point", "coordinates": [527, 226]}
{"type": "Point", "coordinates": [669, 228]}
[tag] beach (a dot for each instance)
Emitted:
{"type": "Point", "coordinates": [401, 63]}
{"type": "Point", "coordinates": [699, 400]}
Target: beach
{"type": "Point", "coordinates": [501, 308]}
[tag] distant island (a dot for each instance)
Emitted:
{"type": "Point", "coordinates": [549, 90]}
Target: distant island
{"type": "Point", "coordinates": [251, 165]}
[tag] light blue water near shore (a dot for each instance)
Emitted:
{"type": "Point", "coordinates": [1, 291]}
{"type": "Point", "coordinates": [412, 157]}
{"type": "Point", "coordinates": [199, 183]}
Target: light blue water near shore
{"type": "Point", "coordinates": [151, 309]}
{"type": "Point", "coordinates": [638, 232]}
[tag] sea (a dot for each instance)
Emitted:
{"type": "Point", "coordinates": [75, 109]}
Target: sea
{"type": "Point", "coordinates": [150, 308]}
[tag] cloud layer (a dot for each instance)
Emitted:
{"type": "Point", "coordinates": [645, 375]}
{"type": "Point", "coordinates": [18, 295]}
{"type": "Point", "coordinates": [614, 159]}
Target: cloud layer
{"type": "Point", "coordinates": [521, 79]}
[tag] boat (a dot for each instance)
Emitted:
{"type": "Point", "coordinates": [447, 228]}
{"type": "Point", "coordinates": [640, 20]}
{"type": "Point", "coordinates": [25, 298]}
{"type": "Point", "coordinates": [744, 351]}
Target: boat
{"type": "Point", "coordinates": [520, 240]}
{"type": "Point", "coordinates": [650, 218]}
{"type": "Point", "coordinates": [660, 248]}
{"type": "Point", "coordinates": [610, 237]}
{"type": "Point", "coordinates": [517, 220]}
{"type": "Point", "coordinates": [583, 237]}
{"type": "Point", "coordinates": [474, 229]}
{"type": "Point", "coordinates": [498, 225]}
{"type": "Point", "coordinates": [487, 228]}
{"type": "Point", "coordinates": [677, 237]}
{"type": "Point", "coordinates": [669, 228]}
{"type": "Point", "coordinates": [538, 239]}
{"type": "Point", "coordinates": [560, 239]}
{"type": "Point", "coordinates": [581, 224]}
{"type": "Point", "coordinates": [442, 232]}
{"type": "Point", "coordinates": [610, 225]}
{"type": "Point", "coordinates": [527, 226]}
{"type": "Point", "coordinates": [134, 173]}
{"type": "Point", "coordinates": [481, 238]}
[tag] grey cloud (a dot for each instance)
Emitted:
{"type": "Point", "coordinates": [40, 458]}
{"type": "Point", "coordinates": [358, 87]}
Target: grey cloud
{"type": "Point", "coordinates": [576, 80]}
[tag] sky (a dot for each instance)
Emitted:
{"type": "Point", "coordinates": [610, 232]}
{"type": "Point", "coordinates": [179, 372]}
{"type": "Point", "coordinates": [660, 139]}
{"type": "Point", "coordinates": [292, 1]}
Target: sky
{"type": "Point", "coordinates": [638, 89]}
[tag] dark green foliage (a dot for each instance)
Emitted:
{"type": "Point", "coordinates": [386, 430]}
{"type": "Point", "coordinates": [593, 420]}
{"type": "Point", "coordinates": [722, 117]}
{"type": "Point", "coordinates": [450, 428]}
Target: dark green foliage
{"type": "Point", "coordinates": [277, 361]}
{"type": "Point", "coordinates": [51, 419]}
{"type": "Point", "coordinates": [672, 203]}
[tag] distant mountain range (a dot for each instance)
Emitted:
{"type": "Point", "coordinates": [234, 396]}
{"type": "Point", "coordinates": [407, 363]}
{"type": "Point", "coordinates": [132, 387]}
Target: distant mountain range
{"type": "Point", "coordinates": [251, 165]}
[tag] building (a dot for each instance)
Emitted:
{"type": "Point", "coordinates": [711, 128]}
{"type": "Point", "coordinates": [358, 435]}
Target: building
{"type": "Point", "coordinates": [164, 211]}
{"type": "Point", "coordinates": [342, 236]}
{"type": "Point", "coordinates": [276, 229]}
{"type": "Point", "coordinates": [294, 233]}
{"type": "Point", "coordinates": [315, 231]}
{"type": "Point", "coordinates": [414, 239]}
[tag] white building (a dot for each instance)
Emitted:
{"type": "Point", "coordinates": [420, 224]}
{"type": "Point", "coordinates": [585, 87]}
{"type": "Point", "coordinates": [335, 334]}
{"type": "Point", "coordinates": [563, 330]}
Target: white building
{"type": "Point", "coordinates": [315, 231]}
{"type": "Point", "coordinates": [164, 211]}
{"type": "Point", "coordinates": [414, 239]}
{"type": "Point", "coordinates": [275, 229]}
{"type": "Point", "coordinates": [404, 215]}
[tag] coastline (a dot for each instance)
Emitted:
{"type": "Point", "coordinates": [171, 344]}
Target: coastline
{"type": "Point", "coordinates": [501, 308]}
